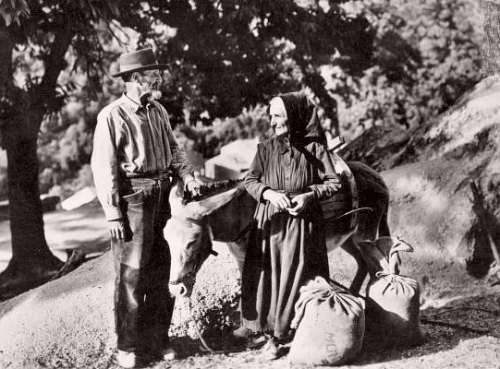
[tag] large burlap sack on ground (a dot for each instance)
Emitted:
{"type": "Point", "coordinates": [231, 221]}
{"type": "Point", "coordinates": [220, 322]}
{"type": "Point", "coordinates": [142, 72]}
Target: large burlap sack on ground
{"type": "Point", "coordinates": [393, 301]}
{"type": "Point", "coordinates": [330, 325]}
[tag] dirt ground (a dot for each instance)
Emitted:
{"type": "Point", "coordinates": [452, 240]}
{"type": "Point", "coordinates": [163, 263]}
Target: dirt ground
{"type": "Point", "coordinates": [471, 341]}
{"type": "Point", "coordinates": [68, 323]}
{"type": "Point", "coordinates": [445, 347]}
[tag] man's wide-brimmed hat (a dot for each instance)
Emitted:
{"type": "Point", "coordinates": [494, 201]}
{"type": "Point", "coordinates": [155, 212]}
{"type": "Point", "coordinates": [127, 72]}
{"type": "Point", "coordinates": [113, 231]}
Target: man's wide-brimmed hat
{"type": "Point", "coordinates": [137, 61]}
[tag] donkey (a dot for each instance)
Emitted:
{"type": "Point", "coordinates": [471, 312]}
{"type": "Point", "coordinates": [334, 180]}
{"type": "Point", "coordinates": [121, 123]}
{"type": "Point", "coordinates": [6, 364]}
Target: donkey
{"type": "Point", "coordinates": [226, 216]}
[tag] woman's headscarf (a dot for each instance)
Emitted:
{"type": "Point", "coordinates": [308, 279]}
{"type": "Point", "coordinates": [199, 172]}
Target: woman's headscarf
{"type": "Point", "coordinates": [303, 119]}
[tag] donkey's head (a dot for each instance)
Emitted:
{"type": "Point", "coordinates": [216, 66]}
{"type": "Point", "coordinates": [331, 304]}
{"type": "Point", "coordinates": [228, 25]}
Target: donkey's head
{"type": "Point", "coordinates": [188, 233]}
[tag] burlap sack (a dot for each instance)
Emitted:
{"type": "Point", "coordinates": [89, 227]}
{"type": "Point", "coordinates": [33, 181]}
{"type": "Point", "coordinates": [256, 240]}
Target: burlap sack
{"type": "Point", "coordinates": [393, 301]}
{"type": "Point", "coordinates": [330, 325]}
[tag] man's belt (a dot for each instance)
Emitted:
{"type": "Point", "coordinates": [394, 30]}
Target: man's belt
{"type": "Point", "coordinates": [158, 176]}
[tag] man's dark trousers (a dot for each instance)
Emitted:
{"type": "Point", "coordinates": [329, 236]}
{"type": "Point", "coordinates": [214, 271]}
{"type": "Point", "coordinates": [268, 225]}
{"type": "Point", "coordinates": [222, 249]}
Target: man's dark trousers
{"type": "Point", "coordinates": [143, 305]}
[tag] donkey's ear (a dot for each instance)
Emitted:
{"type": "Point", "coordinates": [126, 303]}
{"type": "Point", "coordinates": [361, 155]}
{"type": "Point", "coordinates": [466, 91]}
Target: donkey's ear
{"type": "Point", "coordinates": [196, 210]}
{"type": "Point", "coordinates": [175, 199]}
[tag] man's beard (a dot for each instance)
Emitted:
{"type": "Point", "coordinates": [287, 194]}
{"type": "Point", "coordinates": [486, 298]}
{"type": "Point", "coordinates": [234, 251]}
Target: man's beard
{"type": "Point", "coordinates": [150, 96]}
{"type": "Point", "coordinates": [155, 95]}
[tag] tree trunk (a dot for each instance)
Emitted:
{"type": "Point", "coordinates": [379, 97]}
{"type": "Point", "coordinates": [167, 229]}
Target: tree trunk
{"type": "Point", "coordinates": [32, 262]}
{"type": "Point", "coordinates": [30, 253]}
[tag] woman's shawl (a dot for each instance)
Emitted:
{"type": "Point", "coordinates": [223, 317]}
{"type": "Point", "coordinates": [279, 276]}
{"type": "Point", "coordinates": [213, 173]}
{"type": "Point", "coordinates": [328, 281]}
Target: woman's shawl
{"type": "Point", "coordinates": [303, 119]}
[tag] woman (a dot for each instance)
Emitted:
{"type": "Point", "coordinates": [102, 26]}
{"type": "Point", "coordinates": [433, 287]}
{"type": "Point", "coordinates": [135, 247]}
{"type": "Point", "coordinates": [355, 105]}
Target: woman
{"type": "Point", "coordinates": [289, 174]}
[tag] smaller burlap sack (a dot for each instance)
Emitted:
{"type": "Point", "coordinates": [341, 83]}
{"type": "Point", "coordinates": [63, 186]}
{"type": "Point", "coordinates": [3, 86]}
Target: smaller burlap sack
{"type": "Point", "coordinates": [330, 325]}
{"type": "Point", "coordinates": [393, 301]}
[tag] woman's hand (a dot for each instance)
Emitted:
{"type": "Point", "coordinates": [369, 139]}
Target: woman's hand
{"type": "Point", "coordinates": [300, 203]}
{"type": "Point", "coordinates": [278, 199]}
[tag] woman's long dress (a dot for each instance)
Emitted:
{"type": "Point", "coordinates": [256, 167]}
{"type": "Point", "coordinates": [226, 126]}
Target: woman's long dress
{"type": "Point", "coordinates": [283, 250]}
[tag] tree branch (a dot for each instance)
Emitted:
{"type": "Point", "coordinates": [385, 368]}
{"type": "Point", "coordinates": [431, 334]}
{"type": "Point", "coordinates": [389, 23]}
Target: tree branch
{"type": "Point", "coordinates": [54, 64]}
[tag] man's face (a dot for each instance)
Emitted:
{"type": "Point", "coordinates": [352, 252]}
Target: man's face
{"type": "Point", "coordinates": [149, 83]}
{"type": "Point", "coordinates": [279, 121]}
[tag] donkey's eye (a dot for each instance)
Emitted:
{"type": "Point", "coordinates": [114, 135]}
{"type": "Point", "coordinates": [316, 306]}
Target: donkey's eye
{"type": "Point", "coordinates": [191, 242]}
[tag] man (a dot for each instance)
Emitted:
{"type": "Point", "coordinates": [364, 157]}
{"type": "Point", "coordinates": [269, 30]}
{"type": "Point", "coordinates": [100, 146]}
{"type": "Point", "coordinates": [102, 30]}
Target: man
{"type": "Point", "coordinates": [135, 155]}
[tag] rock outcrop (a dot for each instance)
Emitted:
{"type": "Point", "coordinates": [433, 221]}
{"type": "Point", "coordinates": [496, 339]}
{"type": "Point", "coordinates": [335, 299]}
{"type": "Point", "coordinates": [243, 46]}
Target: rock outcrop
{"type": "Point", "coordinates": [429, 170]}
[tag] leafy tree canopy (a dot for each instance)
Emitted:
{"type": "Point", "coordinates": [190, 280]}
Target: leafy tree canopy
{"type": "Point", "coordinates": [426, 55]}
{"type": "Point", "coordinates": [226, 54]}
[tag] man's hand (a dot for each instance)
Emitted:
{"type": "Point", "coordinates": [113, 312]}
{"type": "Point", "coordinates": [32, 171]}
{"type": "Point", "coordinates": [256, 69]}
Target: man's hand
{"type": "Point", "coordinates": [194, 188]}
{"type": "Point", "coordinates": [117, 229]}
{"type": "Point", "coordinates": [278, 199]}
{"type": "Point", "coordinates": [300, 203]}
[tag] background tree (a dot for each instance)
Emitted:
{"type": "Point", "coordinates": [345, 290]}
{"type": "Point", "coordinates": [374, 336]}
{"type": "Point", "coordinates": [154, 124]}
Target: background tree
{"type": "Point", "coordinates": [491, 49]}
{"type": "Point", "coordinates": [226, 55]}
{"type": "Point", "coordinates": [426, 55]}
{"type": "Point", "coordinates": [46, 33]}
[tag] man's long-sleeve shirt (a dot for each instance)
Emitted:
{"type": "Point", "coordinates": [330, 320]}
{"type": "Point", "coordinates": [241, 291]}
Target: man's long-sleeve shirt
{"type": "Point", "coordinates": [132, 140]}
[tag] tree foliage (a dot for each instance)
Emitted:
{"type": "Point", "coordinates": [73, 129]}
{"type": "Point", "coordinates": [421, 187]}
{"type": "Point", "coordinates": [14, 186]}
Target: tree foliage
{"type": "Point", "coordinates": [427, 54]}
{"type": "Point", "coordinates": [226, 54]}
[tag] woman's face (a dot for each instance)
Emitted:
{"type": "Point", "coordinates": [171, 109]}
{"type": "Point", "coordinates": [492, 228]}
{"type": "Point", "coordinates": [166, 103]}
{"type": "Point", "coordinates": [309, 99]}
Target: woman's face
{"type": "Point", "coordinates": [279, 121]}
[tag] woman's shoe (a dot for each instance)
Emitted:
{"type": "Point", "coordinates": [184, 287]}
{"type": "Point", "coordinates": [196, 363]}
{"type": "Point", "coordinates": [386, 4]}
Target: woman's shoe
{"type": "Point", "coordinates": [168, 354]}
{"type": "Point", "coordinates": [256, 340]}
{"type": "Point", "coordinates": [242, 333]}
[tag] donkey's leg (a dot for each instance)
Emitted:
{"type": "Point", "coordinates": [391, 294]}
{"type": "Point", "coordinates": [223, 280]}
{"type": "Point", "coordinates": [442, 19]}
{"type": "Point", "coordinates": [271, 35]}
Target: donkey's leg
{"type": "Point", "coordinates": [371, 225]}
{"type": "Point", "coordinates": [383, 225]}
{"type": "Point", "coordinates": [362, 270]}
{"type": "Point", "coordinates": [383, 231]}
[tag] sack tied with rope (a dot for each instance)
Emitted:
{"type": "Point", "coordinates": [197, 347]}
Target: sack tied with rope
{"type": "Point", "coordinates": [393, 301]}
{"type": "Point", "coordinates": [329, 323]}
